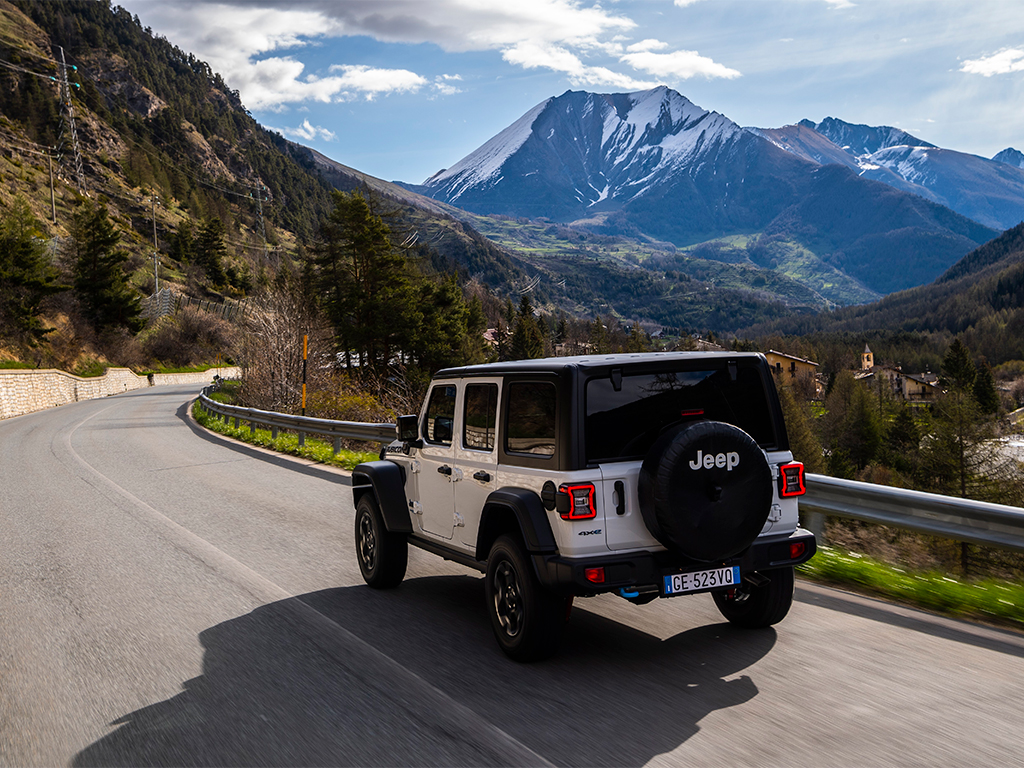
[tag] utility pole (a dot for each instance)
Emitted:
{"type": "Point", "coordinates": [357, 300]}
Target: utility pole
{"type": "Point", "coordinates": [53, 197]}
{"type": "Point", "coordinates": [49, 161]}
{"type": "Point", "coordinates": [305, 347]}
{"type": "Point", "coordinates": [156, 249]}
{"type": "Point", "coordinates": [263, 226]}
{"type": "Point", "coordinates": [69, 116]}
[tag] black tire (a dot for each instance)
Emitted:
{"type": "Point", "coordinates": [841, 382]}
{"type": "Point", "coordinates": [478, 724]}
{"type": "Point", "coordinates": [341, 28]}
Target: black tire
{"type": "Point", "coordinates": [705, 490]}
{"type": "Point", "coordinates": [756, 607]}
{"type": "Point", "coordinates": [528, 620]}
{"type": "Point", "coordinates": [382, 556]}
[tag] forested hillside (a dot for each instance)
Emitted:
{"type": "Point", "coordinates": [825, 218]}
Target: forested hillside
{"type": "Point", "coordinates": [980, 299]}
{"type": "Point", "coordinates": [150, 119]}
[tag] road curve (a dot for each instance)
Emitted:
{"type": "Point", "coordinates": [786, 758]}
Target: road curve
{"type": "Point", "coordinates": [169, 597]}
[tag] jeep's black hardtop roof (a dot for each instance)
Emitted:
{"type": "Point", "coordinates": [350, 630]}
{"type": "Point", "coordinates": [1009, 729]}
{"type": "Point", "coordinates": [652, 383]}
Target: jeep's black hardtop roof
{"type": "Point", "coordinates": [590, 362]}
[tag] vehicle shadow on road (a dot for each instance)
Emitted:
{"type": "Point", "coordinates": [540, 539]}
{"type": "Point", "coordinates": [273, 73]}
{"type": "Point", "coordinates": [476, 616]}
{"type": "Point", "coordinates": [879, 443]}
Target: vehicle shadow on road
{"type": "Point", "coordinates": [270, 696]}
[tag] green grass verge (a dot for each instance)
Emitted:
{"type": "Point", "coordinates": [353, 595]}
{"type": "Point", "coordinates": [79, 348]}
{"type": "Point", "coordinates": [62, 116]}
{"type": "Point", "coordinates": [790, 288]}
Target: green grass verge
{"type": "Point", "coordinates": [314, 449]}
{"type": "Point", "coordinates": [14, 364]}
{"type": "Point", "coordinates": [997, 602]}
{"type": "Point", "coordinates": [90, 369]}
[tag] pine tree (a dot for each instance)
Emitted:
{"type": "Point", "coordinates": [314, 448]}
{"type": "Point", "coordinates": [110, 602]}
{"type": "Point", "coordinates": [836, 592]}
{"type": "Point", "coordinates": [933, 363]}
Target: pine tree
{"type": "Point", "coordinates": [638, 341]}
{"type": "Point", "coordinates": [802, 441]}
{"type": "Point", "coordinates": [985, 392]}
{"type": "Point", "coordinates": [107, 300]}
{"type": "Point", "coordinates": [26, 276]}
{"type": "Point", "coordinates": [365, 285]}
{"type": "Point", "coordinates": [183, 243]}
{"type": "Point", "coordinates": [441, 337]}
{"type": "Point", "coordinates": [210, 250]}
{"type": "Point", "coordinates": [852, 429]}
{"type": "Point", "coordinates": [958, 370]}
{"type": "Point", "coordinates": [527, 339]}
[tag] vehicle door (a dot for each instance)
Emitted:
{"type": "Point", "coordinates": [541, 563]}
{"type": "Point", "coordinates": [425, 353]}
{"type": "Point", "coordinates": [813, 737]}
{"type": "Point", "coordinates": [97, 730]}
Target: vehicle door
{"type": "Point", "coordinates": [437, 469]}
{"type": "Point", "coordinates": [476, 455]}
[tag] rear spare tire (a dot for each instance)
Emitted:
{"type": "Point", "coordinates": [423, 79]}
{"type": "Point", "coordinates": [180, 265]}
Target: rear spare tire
{"type": "Point", "coordinates": [705, 490]}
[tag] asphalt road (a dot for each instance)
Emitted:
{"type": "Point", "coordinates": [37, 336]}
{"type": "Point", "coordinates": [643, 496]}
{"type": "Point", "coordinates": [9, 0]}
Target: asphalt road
{"type": "Point", "coordinates": [168, 597]}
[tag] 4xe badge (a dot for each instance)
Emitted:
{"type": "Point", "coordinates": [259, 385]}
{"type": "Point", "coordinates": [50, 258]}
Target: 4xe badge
{"type": "Point", "coordinates": [709, 461]}
{"type": "Point", "coordinates": [589, 533]}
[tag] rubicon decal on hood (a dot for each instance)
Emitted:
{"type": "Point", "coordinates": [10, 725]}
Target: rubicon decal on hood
{"type": "Point", "coordinates": [710, 461]}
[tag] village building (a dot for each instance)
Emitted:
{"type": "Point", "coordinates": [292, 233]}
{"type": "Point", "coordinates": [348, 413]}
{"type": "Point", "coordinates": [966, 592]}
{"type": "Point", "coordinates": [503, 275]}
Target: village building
{"type": "Point", "coordinates": [912, 387]}
{"type": "Point", "coordinates": [796, 371]}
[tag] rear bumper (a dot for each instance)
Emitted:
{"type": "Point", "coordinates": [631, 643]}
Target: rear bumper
{"type": "Point", "coordinates": [645, 569]}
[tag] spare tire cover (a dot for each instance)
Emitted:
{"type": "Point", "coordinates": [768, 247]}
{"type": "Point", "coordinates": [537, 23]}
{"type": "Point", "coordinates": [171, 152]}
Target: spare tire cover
{"type": "Point", "coordinates": [705, 490]}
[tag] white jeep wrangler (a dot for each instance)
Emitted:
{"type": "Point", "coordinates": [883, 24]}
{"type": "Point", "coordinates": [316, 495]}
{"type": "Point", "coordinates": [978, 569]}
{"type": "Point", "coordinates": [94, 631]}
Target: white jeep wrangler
{"type": "Point", "coordinates": [648, 475]}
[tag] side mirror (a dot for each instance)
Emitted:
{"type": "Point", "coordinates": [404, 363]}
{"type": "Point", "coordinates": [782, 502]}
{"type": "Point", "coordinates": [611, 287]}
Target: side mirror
{"type": "Point", "coordinates": [408, 428]}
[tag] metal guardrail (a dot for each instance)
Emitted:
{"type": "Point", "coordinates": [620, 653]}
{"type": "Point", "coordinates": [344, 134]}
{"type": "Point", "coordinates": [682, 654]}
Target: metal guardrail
{"type": "Point", "coordinates": [978, 522]}
{"type": "Point", "coordinates": [303, 425]}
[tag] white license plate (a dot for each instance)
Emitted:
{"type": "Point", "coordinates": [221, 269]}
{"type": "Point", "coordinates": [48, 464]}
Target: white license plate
{"type": "Point", "coordinates": [677, 583]}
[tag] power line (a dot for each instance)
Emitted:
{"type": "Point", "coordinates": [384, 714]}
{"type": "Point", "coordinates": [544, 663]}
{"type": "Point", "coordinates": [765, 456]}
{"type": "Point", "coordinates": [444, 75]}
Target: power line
{"type": "Point", "coordinates": [16, 68]}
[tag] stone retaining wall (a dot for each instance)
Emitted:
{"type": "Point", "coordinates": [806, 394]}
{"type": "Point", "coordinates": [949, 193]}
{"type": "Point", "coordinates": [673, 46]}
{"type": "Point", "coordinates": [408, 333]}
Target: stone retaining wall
{"type": "Point", "coordinates": [24, 390]}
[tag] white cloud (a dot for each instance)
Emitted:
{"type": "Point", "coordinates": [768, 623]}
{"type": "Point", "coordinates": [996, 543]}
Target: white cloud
{"type": "Point", "coordinates": [841, 3]}
{"type": "Point", "coordinates": [370, 82]}
{"type": "Point", "coordinates": [443, 84]}
{"type": "Point", "coordinates": [1001, 63]}
{"type": "Point", "coordinates": [649, 44]}
{"type": "Point", "coordinates": [307, 131]}
{"type": "Point", "coordinates": [532, 55]}
{"type": "Point", "coordinates": [678, 64]}
{"type": "Point", "coordinates": [255, 44]}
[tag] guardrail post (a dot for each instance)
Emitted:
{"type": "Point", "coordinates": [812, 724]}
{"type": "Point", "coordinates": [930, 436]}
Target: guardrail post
{"type": "Point", "coordinates": [337, 446]}
{"type": "Point", "coordinates": [302, 439]}
{"type": "Point", "coordinates": [236, 422]}
{"type": "Point", "coordinates": [815, 523]}
{"type": "Point", "coordinates": [252, 427]}
{"type": "Point", "coordinates": [273, 432]}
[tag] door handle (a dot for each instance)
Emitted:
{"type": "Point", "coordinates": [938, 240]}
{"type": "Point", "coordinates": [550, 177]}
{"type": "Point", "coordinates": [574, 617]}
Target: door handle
{"type": "Point", "coordinates": [483, 477]}
{"type": "Point", "coordinates": [444, 469]}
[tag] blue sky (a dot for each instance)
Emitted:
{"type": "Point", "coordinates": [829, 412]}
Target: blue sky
{"type": "Point", "coordinates": [400, 89]}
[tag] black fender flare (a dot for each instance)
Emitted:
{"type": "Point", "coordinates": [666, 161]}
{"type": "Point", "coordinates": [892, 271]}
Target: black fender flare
{"type": "Point", "coordinates": [529, 512]}
{"type": "Point", "coordinates": [386, 481]}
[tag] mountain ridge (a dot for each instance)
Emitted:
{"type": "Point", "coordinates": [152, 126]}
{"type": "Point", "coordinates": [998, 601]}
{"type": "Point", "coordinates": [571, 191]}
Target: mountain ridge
{"type": "Point", "coordinates": [990, 192]}
{"type": "Point", "coordinates": [654, 166]}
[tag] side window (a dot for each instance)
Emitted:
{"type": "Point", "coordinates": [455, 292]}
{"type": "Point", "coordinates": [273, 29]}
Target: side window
{"type": "Point", "coordinates": [530, 423]}
{"type": "Point", "coordinates": [440, 419]}
{"type": "Point", "coordinates": [481, 414]}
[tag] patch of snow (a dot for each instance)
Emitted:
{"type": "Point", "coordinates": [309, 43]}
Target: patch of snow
{"type": "Point", "coordinates": [601, 194]}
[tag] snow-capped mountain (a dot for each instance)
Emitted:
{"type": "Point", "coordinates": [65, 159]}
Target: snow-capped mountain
{"type": "Point", "coordinates": [989, 191]}
{"type": "Point", "coordinates": [861, 140]}
{"type": "Point", "coordinates": [1010, 156]}
{"type": "Point", "coordinates": [654, 165]}
{"type": "Point", "coordinates": [581, 153]}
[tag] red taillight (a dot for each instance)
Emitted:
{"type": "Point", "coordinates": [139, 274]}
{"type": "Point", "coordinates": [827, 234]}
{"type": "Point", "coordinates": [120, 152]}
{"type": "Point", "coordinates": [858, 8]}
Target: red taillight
{"type": "Point", "coordinates": [791, 480]}
{"type": "Point", "coordinates": [796, 550]}
{"type": "Point", "coordinates": [594, 575]}
{"type": "Point", "coordinates": [581, 501]}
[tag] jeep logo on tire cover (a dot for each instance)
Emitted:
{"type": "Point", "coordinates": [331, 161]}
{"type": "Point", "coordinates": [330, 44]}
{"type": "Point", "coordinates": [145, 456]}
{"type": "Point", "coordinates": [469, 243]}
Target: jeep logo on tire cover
{"type": "Point", "coordinates": [709, 461]}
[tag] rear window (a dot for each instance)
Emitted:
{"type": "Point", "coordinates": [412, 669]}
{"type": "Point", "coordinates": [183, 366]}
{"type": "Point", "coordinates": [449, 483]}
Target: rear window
{"type": "Point", "coordinates": [530, 420]}
{"type": "Point", "coordinates": [623, 424]}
